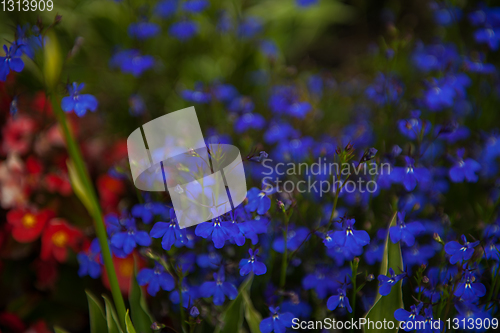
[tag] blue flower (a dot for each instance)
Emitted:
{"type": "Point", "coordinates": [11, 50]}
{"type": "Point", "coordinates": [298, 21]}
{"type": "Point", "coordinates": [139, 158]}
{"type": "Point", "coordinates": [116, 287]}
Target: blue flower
{"type": "Point", "coordinates": [385, 89]}
{"type": "Point", "coordinates": [219, 289]}
{"type": "Point", "coordinates": [219, 230]}
{"type": "Point", "coordinates": [431, 325]}
{"type": "Point", "coordinates": [269, 48]}
{"type": "Point", "coordinates": [137, 106]}
{"type": "Point", "coordinates": [148, 210]}
{"type": "Point", "coordinates": [197, 95]}
{"type": "Point", "coordinates": [189, 295]}
{"type": "Point", "coordinates": [464, 169]}
{"type": "Point", "coordinates": [417, 254]}
{"type": "Point", "coordinates": [155, 279]}
{"type": "Point", "coordinates": [285, 100]}
{"type": "Point", "coordinates": [89, 261]}
{"type": "Point", "coordinates": [183, 30]}
{"type": "Point", "coordinates": [306, 3]}
{"type": "Point", "coordinates": [130, 238]}
{"type": "Point", "coordinates": [250, 27]}
{"type": "Point", "coordinates": [469, 290]}
{"type": "Point", "coordinates": [170, 232]}
{"type": "Point", "coordinates": [195, 6]}
{"type": "Point", "coordinates": [257, 201]}
{"type": "Point", "coordinates": [279, 132]}
{"type": "Point", "coordinates": [11, 61]}
{"type": "Point", "coordinates": [211, 260]}
{"type": "Point", "coordinates": [339, 300]}
{"type": "Point", "coordinates": [248, 121]}
{"type": "Point", "coordinates": [410, 175]}
{"type": "Point", "coordinates": [488, 36]}
{"type": "Point", "coordinates": [77, 102]}
{"type": "Point", "coordinates": [295, 238]}
{"type": "Point", "coordinates": [414, 127]}
{"type": "Point", "coordinates": [351, 239]}
{"type": "Point", "coordinates": [460, 252]}
{"type": "Point", "coordinates": [431, 288]}
{"type": "Point", "coordinates": [132, 62]}
{"type": "Point", "coordinates": [386, 282]}
{"type": "Point", "coordinates": [492, 251]}
{"type": "Point", "coordinates": [143, 30]}
{"type": "Point", "coordinates": [410, 316]}
{"type": "Point", "coordinates": [469, 312]}
{"type": "Point", "coordinates": [166, 8]}
{"type": "Point", "coordinates": [277, 323]}
{"type": "Point", "coordinates": [405, 231]}
{"type": "Point", "coordinates": [322, 282]}
{"type": "Point", "coordinates": [252, 265]}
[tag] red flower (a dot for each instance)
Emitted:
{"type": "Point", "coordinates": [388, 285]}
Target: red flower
{"type": "Point", "coordinates": [124, 270]}
{"type": "Point", "coordinates": [27, 224]}
{"type": "Point", "coordinates": [17, 134]}
{"type": "Point", "coordinates": [56, 239]}
{"type": "Point", "coordinates": [58, 184]}
{"type": "Point", "coordinates": [110, 190]}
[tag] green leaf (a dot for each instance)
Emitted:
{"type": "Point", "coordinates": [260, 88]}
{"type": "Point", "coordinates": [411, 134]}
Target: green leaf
{"type": "Point", "coordinates": [141, 316]}
{"type": "Point", "coordinates": [111, 317]}
{"type": "Point", "coordinates": [57, 329]}
{"type": "Point", "coordinates": [384, 306]}
{"type": "Point", "coordinates": [233, 315]}
{"type": "Point", "coordinates": [252, 316]}
{"type": "Point", "coordinates": [96, 314]}
{"type": "Point", "coordinates": [78, 187]}
{"type": "Point", "coordinates": [128, 324]}
{"type": "Point", "coordinates": [52, 61]}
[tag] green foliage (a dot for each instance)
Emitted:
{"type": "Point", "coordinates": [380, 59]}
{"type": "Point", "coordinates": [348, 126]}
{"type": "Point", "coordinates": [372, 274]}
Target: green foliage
{"type": "Point", "coordinates": [139, 310]}
{"type": "Point", "coordinates": [96, 314]}
{"type": "Point", "coordinates": [384, 306]}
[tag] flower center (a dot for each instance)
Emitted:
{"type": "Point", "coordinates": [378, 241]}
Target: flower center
{"type": "Point", "coordinates": [29, 220]}
{"type": "Point", "coordinates": [60, 239]}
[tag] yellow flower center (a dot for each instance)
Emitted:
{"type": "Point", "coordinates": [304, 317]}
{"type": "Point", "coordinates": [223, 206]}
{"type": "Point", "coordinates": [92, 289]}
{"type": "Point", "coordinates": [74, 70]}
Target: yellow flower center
{"type": "Point", "coordinates": [29, 220]}
{"type": "Point", "coordinates": [126, 268]}
{"type": "Point", "coordinates": [60, 239]}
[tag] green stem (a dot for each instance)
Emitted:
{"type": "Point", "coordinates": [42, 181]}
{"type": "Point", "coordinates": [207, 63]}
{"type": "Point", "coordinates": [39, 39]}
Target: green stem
{"type": "Point", "coordinates": [77, 160]}
{"type": "Point", "coordinates": [354, 268]}
{"type": "Point", "coordinates": [183, 319]}
{"type": "Point", "coordinates": [284, 263]}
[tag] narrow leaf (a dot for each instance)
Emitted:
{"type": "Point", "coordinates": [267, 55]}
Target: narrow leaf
{"type": "Point", "coordinates": [233, 315]}
{"type": "Point", "coordinates": [111, 316]}
{"type": "Point", "coordinates": [96, 314]}
{"type": "Point", "coordinates": [57, 329]}
{"type": "Point", "coordinates": [252, 316]}
{"type": "Point", "coordinates": [141, 316]}
{"type": "Point", "coordinates": [384, 306]}
{"type": "Point", "coordinates": [128, 324]}
{"type": "Point", "coordinates": [77, 185]}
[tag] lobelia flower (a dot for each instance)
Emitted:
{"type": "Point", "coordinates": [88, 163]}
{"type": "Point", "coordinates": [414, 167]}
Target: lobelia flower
{"type": "Point", "coordinates": [143, 30]}
{"type": "Point", "coordinates": [306, 3]}
{"type": "Point", "coordinates": [386, 282]}
{"type": "Point", "coordinates": [127, 240]}
{"type": "Point", "coordinates": [464, 169]}
{"type": "Point", "coordinates": [77, 102]}
{"type": "Point", "coordinates": [468, 290]}
{"type": "Point", "coordinates": [414, 127]}
{"type": "Point", "coordinates": [488, 36]}
{"type": "Point", "coordinates": [57, 237]}
{"type": "Point", "coordinates": [11, 61]}
{"type": "Point", "coordinates": [219, 230]}
{"type": "Point", "coordinates": [132, 62]}
{"type": "Point", "coordinates": [166, 8]}
{"type": "Point", "coordinates": [410, 175]}
{"type": "Point", "coordinates": [430, 290]}
{"type": "Point", "coordinates": [27, 224]}
{"type": "Point", "coordinates": [170, 232]}
{"type": "Point", "coordinates": [405, 232]}
{"type": "Point", "coordinates": [155, 279]}
{"type": "Point", "coordinates": [90, 260]}
{"type": "Point", "coordinates": [257, 201]}
{"type": "Point", "coordinates": [189, 295]}
{"type": "Point", "coordinates": [410, 316]}
{"type": "Point", "coordinates": [492, 251]}
{"type": "Point", "coordinates": [339, 300]}
{"type": "Point", "coordinates": [295, 238]}
{"type": "Point", "coordinates": [183, 30]}
{"type": "Point", "coordinates": [321, 281]}
{"type": "Point", "coordinates": [353, 240]}
{"type": "Point", "coordinates": [249, 27]}
{"type": "Point", "coordinates": [431, 325]}
{"type": "Point", "coordinates": [195, 6]}
{"type": "Point", "coordinates": [469, 312]}
{"type": "Point", "coordinates": [248, 121]}
{"type": "Point", "coordinates": [460, 252]}
{"type": "Point", "coordinates": [252, 265]}
{"type": "Point", "coordinates": [277, 322]}
{"type": "Point", "coordinates": [219, 289]}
